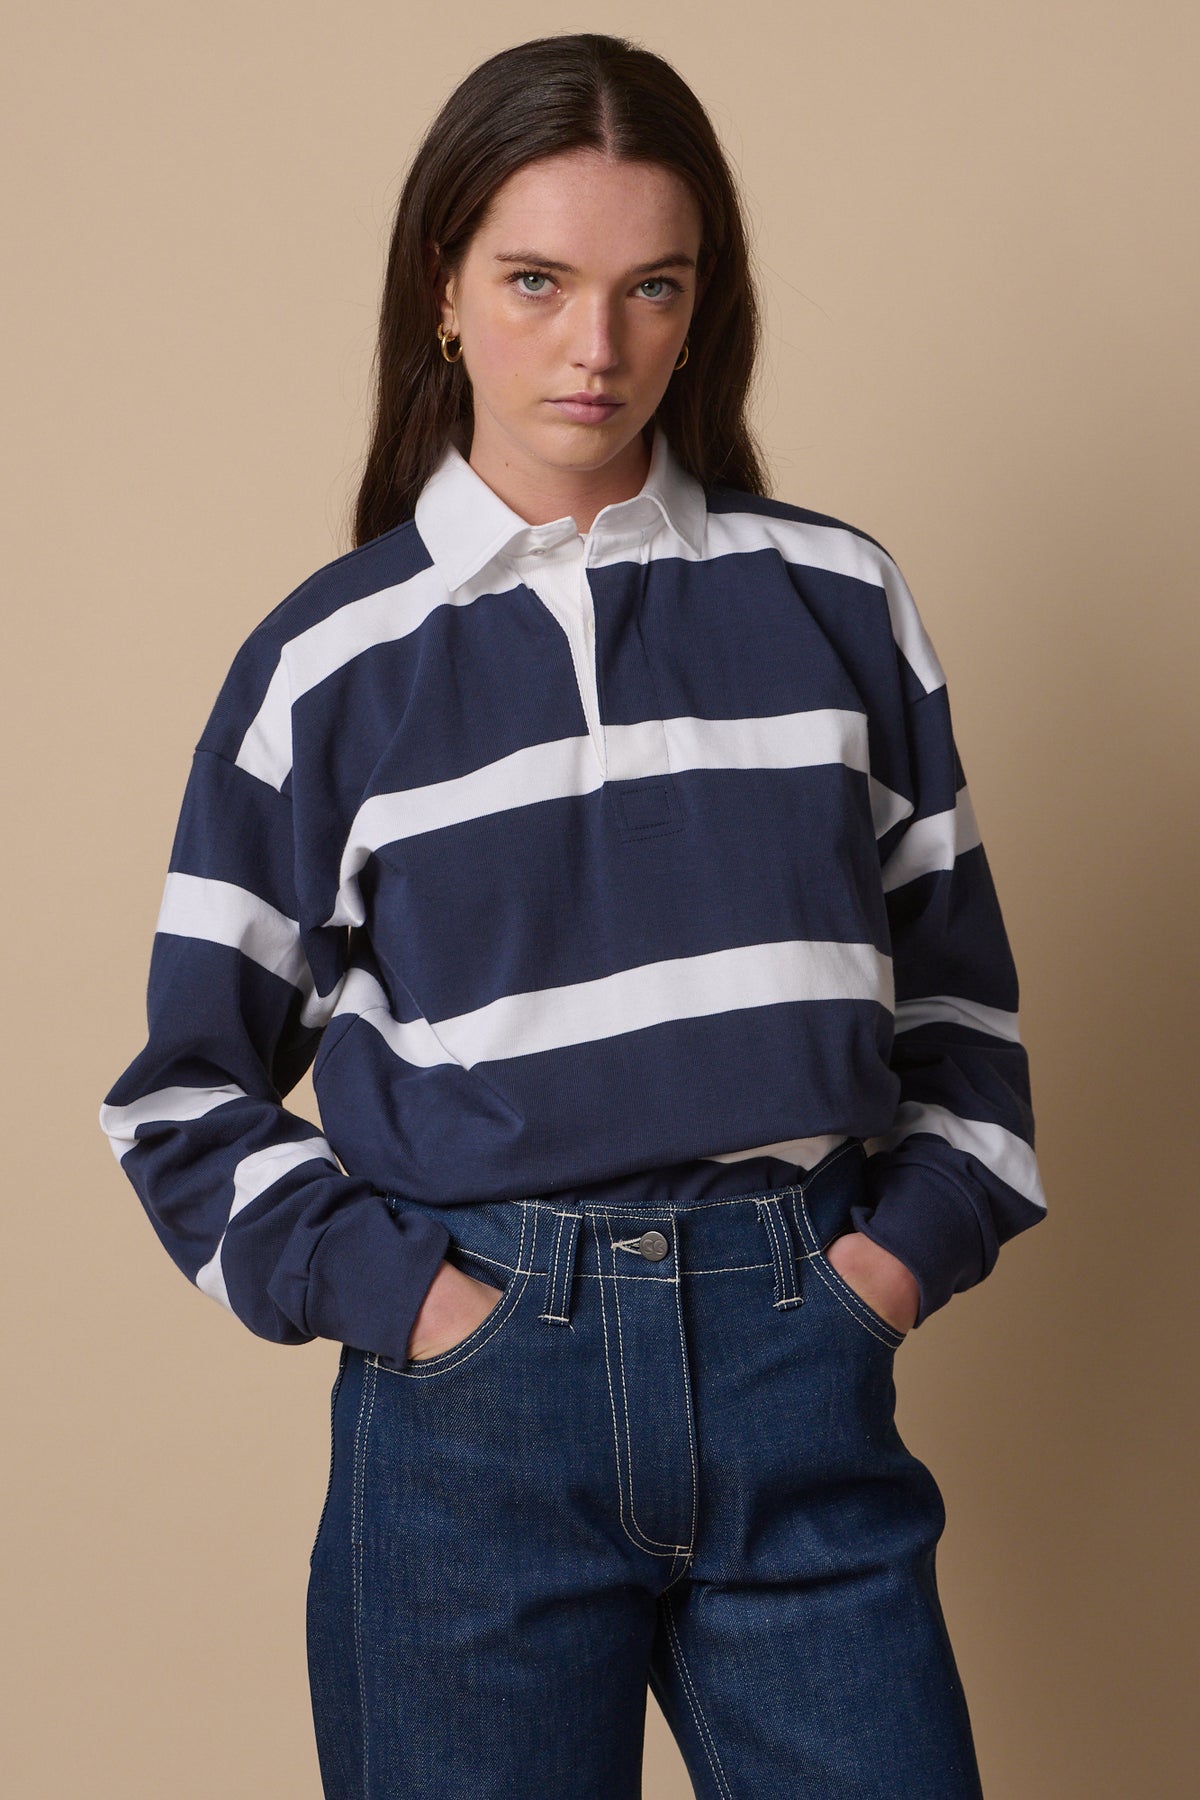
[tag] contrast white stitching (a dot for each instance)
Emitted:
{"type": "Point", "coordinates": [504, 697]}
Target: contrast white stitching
{"type": "Point", "coordinates": [878, 1328]}
{"type": "Point", "coordinates": [552, 1296]}
{"type": "Point", "coordinates": [771, 1214]}
{"type": "Point", "coordinates": [558, 1238]}
{"type": "Point", "coordinates": [628, 1444]}
{"type": "Point", "coordinates": [361, 1436]}
{"type": "Point", "coordinates": [612, 1401]}
{"type": "Point", "coordinates": [483, 1332]}
{"type": "Point", "coordinates": [690, 1694]}
{"type": "Point", "coordinates": [687, 1397]}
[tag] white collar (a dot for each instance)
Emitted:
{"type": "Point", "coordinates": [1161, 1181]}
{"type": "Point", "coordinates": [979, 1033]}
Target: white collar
{"type": "Point", "coordinates": [465, 525]}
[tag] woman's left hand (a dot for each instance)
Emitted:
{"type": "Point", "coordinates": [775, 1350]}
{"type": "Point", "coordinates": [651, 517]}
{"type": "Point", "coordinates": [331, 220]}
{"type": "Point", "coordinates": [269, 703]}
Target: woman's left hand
{"type": "Point", "coordinates": [877, 1277]}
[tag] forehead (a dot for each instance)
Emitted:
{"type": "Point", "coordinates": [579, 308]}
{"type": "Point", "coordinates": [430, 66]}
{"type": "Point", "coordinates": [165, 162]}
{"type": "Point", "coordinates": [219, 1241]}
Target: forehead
{"type": "Point", "coordinates": [583, 207]}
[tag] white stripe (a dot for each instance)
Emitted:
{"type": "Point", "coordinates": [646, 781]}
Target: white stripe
{"type": "Point", "coordinates": [773, 741]}
{"type": "Point", "coordinates": [393, 612]}
{"type": "Point", "coordinates": [539, 772]}
{"type": "Point", "coordinates": [165, 1106]}
{"type": "Point", "coordinates": [566, 767]}
{"type": "Point", "coordinates": [795, 740]}
{"type": "Point", "coordinates": [841, 552]}
{"type": "Point", "coordinates": [933, 843]}
{"type": "Point", "coordinates": [934, 1009]}
{"type": "Point", "coordinates": [252, 1177]}
{"type": "Point", "coordinates": [1002, 1151]}
{"type": "Point", "coordinates": [315, 654]}
{"type": "Point", "coordinates": [802, 1153]}
{"type": "Point", "coordinates": [583, 1012]}
{"type": "Point", "coordinates": [887, 807]}
{"type": "Point", "coordinates": [219, 912]}
{"type": "Point", "coordinates": [414, 1040]}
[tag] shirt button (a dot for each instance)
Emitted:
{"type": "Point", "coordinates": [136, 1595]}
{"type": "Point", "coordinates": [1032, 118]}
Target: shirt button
{"type": "Point", "coordinates": [653, 1246]}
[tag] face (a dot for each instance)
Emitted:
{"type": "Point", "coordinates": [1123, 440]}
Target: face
{"type": "Point", "coordinates": [572, 303]}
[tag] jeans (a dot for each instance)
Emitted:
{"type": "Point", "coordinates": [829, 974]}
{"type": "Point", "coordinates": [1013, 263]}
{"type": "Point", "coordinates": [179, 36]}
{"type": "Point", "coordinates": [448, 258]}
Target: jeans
{"type": "Point", "coordinates": [667, 1458]}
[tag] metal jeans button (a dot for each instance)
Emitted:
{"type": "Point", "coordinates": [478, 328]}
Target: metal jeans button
{"type": "Point", "coordinates": [653, 1246]}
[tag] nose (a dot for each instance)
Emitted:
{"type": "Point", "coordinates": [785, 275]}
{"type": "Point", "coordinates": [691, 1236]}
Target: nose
{"type": "Point", "coordinates": [597, 341]}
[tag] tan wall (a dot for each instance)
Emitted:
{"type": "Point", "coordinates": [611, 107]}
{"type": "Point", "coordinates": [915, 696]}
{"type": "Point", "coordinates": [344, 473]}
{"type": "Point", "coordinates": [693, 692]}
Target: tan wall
{"type": "Point", "coordinates": [975, 226]}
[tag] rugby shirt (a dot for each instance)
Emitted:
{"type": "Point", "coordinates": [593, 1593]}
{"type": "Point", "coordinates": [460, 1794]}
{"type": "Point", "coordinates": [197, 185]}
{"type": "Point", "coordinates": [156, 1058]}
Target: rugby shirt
{"type": "Point", "coordinates": [644, 856]}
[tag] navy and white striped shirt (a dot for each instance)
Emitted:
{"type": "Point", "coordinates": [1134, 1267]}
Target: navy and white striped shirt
{"type": "Point", "coordinates": [660, 867]}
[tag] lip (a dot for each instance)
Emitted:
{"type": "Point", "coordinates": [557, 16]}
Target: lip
{"type": "Point", "coordinates": [588, 409]}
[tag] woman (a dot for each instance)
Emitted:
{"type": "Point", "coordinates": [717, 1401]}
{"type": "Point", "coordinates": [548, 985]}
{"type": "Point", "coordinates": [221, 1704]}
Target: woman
{"type": "Point", "coordinates": [596, 824]}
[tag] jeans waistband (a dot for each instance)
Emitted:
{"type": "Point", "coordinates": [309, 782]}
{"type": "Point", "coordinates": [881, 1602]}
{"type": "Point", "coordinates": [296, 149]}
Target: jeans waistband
{"type": "Point", "coordinates": [558, 1238]}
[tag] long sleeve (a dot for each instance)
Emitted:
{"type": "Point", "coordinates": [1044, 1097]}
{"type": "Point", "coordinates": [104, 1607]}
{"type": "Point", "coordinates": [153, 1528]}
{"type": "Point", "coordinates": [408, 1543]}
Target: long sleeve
{"type": "Point", "coordinates": [955, 1176]}
{"type": "Point", "coordinates": [248, 1198]}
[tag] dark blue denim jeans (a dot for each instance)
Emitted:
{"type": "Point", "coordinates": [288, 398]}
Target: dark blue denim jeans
{"type": "Point", "coordinates": [667, 1458]}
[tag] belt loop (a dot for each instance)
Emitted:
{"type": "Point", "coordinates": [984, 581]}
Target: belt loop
{"type": "Point", "coordinates": [559, 1275]}
{"type": "Point", "coordinates": [783, 1252]}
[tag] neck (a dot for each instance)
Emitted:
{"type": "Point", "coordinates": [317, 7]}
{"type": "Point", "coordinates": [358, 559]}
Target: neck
{"type": "Point", "coordinates": [540, 492]}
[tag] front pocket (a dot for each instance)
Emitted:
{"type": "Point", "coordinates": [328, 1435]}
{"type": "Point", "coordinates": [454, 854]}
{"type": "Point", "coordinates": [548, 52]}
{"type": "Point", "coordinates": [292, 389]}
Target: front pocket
{"type": "Point", "coordinates": [512, 1283]}
{"type": "Point", "coordinates": [846, 1297]}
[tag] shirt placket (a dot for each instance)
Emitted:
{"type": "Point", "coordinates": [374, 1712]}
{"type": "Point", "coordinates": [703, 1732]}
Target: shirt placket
{"type": "Point", "coordinates": [638, 750]}
{"type": "Point", "coordinates": [554, 563]}
{"type": "Point", "coordinates": [556, 572]}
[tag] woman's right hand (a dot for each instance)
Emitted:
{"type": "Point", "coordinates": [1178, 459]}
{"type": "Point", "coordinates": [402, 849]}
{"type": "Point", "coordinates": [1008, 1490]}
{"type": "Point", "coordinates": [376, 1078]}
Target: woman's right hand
{"type": "Point", "coordinates": [454, 1305]}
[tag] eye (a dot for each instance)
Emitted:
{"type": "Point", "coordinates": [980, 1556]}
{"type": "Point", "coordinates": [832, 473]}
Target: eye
{"type": "Point", "coordinates": [520, 277]}
{"type": "Point", "coordinates": [662, 283]}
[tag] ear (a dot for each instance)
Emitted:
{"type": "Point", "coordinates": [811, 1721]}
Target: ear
{"type": "Point", "coordinates": [443, 285]}
{"type": "Point", "coordinates": [446, 305]}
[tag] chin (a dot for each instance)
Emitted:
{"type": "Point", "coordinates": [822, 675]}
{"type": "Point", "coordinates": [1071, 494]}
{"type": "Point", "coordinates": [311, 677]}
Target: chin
{"type": "Point", "coordinates": [585, 446]}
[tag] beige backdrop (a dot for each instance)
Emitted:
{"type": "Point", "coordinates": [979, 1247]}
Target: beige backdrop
{"type": "Point", "coordinates": [975, 231]}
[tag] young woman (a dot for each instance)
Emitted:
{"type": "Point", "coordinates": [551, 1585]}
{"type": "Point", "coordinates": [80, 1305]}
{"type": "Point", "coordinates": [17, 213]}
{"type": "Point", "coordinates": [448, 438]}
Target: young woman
{"type": "Point", "coordinates": [596, 824]}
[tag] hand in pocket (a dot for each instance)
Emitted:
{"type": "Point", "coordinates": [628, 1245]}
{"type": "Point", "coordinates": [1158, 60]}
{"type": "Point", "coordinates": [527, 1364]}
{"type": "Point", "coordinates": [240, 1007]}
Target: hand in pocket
{"type": "Point", "coordinates": [887, 1285]}
{"type": "Point", "coordinates": [455, 1305]}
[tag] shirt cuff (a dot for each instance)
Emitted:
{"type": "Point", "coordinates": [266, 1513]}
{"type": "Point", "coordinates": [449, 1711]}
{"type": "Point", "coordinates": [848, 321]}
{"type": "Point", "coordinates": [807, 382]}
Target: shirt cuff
{"type": "Point", "coordinates": [369, 1274]}
{"type": "Point", "coordinates": [929, 1220]}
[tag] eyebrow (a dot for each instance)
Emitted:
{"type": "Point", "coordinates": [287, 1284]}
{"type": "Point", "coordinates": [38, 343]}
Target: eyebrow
{"type": "Point", "coordinates": [674, 259]}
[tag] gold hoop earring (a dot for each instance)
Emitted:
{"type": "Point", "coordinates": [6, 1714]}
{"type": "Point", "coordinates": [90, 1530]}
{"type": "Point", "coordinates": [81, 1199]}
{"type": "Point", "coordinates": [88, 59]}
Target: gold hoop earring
{"type": "Point", "coordinates": [445, 337]}
{"type": "Point", "coordinates": [684, 357]}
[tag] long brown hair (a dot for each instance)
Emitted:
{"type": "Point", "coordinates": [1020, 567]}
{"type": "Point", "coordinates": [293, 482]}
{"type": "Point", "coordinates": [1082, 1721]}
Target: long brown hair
{"type": "Point", "coordinates": [554, 94]}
